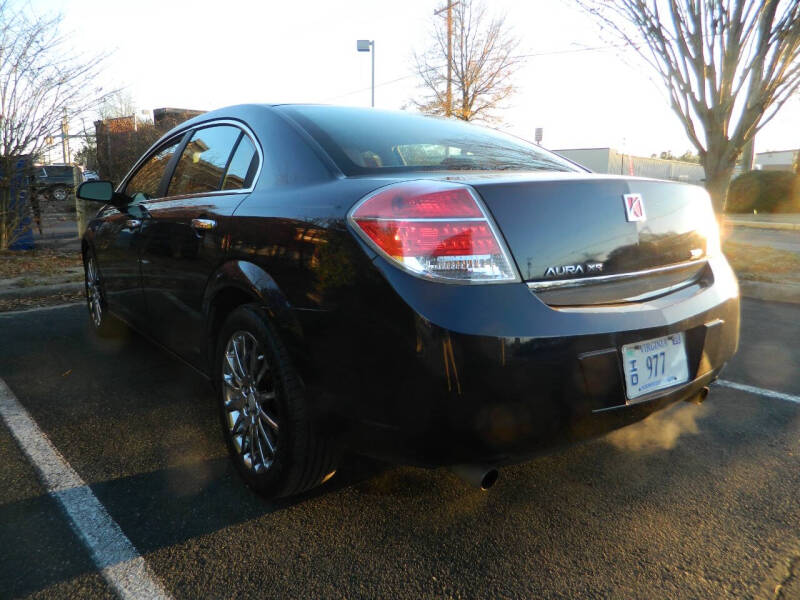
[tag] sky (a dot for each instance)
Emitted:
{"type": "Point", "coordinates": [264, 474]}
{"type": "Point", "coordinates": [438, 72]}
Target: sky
{"type": "Point", "coordinates": [205, 55]}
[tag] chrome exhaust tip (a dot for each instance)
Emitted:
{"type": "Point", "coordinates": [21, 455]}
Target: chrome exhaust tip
{"type": "Point", "coordinates": [479, 476]}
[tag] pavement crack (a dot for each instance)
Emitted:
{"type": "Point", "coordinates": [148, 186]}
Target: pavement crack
{"type": "Point", "coordinates": [792, 570]}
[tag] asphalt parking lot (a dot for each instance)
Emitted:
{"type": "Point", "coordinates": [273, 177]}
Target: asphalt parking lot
{"type": "Point", "coordinates": [695, 502]}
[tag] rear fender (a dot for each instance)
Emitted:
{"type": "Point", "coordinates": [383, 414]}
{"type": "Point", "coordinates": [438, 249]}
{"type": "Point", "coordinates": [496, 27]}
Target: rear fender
{"type": "Point", "coordinates": [262, 289]}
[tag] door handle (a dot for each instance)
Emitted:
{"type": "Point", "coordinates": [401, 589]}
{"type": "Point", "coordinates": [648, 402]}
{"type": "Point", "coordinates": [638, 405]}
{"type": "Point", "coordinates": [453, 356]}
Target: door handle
{"type": "Point", "coordinates": [203, 224]}
{"type": "Point", "coordinates": [133, 223]}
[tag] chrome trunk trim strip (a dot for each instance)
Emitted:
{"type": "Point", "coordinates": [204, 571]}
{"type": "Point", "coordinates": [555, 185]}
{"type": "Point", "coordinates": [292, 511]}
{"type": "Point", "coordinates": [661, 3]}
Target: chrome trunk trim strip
{"type": "Point", "coordinates": [535, 286]}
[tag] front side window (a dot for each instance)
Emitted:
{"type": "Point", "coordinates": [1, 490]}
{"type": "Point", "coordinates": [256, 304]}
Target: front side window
{"type": "Point", "coordinates": [144, 183]}
{"type": "Point", "coordinates": [202, 164]}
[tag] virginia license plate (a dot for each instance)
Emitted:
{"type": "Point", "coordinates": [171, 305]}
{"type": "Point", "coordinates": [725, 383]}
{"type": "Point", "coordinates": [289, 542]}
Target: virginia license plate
{"type": "Point", "coordinates": [654, 364]}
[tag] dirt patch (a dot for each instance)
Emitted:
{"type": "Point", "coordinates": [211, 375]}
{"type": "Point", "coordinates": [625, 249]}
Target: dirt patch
{"type": "Point", "coordinates": [761, 263]}
{"type": "Point", "coordinates": [25, 303]}
{"type": "Point", "coordinates": [38, 264]}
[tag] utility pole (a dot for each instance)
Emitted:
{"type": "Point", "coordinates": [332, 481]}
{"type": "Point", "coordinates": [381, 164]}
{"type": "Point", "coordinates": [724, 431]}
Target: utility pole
{"type": "Point", "coordinates": [449, 58]}
{"type": "Point", "coordinates": [448, 109]}
{"type": "Point", "coordinates": [65, 137]}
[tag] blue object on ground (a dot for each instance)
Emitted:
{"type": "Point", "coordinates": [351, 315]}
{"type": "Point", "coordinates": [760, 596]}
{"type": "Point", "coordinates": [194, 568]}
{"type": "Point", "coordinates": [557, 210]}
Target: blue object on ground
{"type": "Point", "coordinates": [20, 202]}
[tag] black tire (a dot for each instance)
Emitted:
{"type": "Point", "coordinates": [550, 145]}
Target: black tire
{"type": "Point", "coordinates": [59, 193]}
{"type": "Point", "coordinates": [286, 455]}
{"type": "Point", "coordinates": [102, 323]}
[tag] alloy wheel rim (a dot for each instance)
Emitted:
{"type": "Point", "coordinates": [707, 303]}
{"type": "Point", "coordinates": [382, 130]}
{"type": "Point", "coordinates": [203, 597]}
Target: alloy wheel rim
{"type": "Point", "coordinates": [249, 397]}
{"type": "Point", "coordinates": [60, 194]}
{"type": "Point", "coordinates": [93, 293]}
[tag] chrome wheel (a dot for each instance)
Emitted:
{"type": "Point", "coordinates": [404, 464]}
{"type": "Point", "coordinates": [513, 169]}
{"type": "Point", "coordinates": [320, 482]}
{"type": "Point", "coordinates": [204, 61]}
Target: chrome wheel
{"type": "Point", "coordinates": [249, 398]}
{"type": "Point", "coordinates": [93, 296]}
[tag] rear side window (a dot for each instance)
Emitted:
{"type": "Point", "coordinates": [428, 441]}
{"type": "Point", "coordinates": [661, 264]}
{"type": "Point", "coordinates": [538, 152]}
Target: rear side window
{"type": "Point", "coordinates": [242, 163]}
{"type": "Point", "coordinates": [203, 162]}
{"type": "Point", "coordinates": [144, 183]}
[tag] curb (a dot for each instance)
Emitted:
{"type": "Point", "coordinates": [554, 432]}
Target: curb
{"type": "Point", "coordinates": [764, 225]}
{"type": "Point", "coordinates": [772, 292]}
{"type": "Point", "coordinates": [40, 291]}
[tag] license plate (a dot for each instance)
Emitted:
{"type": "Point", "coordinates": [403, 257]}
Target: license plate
{"type": "Point", "coordinates": [654, 364]}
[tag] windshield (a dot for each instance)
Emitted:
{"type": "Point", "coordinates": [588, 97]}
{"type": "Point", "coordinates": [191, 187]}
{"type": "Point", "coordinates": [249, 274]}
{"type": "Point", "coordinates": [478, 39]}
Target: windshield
{"type": "Point", "coordinates": [372, 141]}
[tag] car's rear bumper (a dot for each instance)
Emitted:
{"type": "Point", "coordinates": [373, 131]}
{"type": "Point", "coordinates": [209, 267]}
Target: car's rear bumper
{"type": "Point", "coordinates": [455, 393]}
{"type": "Point", "coordinates": [507, 433]}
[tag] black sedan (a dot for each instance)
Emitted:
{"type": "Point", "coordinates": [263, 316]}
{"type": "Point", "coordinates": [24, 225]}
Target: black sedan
{"type": "Point", "coordinates": [419, 290]}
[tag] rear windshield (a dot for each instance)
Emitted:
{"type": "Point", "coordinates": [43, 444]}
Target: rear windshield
{"type": "Point", "coordinates": [363, 141]}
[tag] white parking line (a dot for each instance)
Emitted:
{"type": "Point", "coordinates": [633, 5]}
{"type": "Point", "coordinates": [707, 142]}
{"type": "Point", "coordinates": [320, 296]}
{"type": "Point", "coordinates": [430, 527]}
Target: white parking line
{"type": "Point", "coordinates": [116, 558]}
{"type": "Point", "coordinates": [757, 390]}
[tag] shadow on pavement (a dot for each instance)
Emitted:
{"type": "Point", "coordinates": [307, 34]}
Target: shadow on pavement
{"type": "Point", "coordinates": [700, 515]}
{"type": "Point", "coordinates": [170, 506]}
{"type": "Point", "coordinates": [37, 547]}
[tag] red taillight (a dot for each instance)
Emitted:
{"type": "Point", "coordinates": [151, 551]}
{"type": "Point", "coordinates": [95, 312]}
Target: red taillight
{"type": "Point", "coordinates": [456, 238]}
{"type": "Point", "coordinates": [435, 229]}
{"type": "Point", "coordinates": [420, 200]}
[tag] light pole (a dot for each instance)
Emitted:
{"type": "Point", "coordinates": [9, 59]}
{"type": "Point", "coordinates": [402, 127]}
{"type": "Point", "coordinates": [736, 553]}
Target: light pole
{"type": "Point", "coordinates": [366, 46]}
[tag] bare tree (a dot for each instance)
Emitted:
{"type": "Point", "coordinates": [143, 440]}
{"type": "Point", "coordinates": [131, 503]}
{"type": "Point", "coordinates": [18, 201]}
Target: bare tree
{"type": "Point", "coordinates": [480, 55]}
{"type": "Point", "coordinates": [41, 83]}
{"type": "Point", "coordinates": [729, 66]}
{"type": "Point", "coordinates": [117, 104]}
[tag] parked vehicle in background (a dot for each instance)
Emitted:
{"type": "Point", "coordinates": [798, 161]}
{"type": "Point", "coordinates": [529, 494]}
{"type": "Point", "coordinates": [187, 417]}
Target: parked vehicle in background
{"type": "Point", "coordinates": [421, 290]}
{"type": "Point", "coordinates": [55, 181]}
{"type": "Point", "coordinates": [89, 175]}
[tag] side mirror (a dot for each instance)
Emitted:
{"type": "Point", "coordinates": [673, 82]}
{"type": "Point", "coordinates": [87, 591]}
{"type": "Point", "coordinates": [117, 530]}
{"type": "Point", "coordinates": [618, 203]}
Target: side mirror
{"type": "Point", "coordinates": [101, 191]}
{"type": "Point", "coordinates": [96, 191]}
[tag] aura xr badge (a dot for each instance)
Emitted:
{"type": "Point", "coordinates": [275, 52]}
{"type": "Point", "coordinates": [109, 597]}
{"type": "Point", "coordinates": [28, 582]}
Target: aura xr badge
{"type": "Point", "coordinates": [634, 207]}
{"type": "Point", "coordinates": [595, 268]}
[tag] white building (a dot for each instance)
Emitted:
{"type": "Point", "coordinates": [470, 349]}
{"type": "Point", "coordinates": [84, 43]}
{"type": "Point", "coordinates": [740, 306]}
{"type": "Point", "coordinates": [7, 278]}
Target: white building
{"type": "Point", "coordinates": [608, 160]}
{"type": "Point", "coordinates": [780, 160]}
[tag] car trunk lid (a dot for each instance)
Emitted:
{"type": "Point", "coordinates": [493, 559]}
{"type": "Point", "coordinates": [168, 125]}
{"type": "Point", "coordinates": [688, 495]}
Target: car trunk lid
{"type": "Point", "coordinates": [567, 231]}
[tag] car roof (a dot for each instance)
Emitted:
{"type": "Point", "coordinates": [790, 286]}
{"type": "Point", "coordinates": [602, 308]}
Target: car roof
{"type": "Point", "coordinates": [245, 112]}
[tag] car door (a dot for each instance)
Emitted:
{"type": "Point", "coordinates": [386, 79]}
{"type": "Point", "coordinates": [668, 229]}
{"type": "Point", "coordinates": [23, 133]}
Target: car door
{"type": "Point", "coordinates": [119, 240]}
{"type": "Point", "coordinates": [185, 232]}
